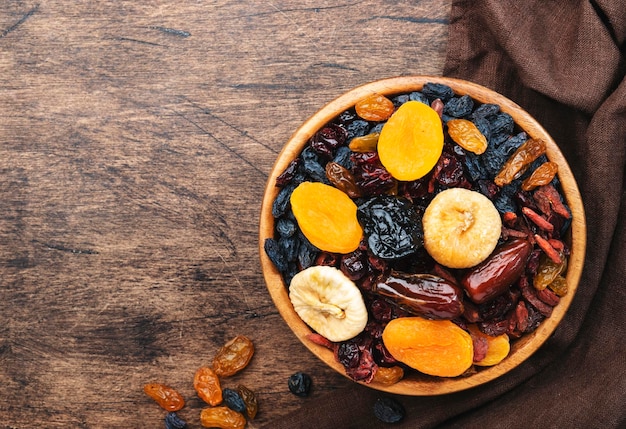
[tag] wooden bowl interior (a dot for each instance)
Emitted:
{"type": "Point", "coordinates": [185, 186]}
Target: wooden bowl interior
{"type": "Point", "coordinates": [416, 384]}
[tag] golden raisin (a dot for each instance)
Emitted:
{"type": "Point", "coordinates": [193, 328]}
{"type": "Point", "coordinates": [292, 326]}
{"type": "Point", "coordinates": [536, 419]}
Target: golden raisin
{"type": "Point", "coordinates": [521, 159]}
{"type": "Point", "coordinates": [541, 176]}
{"type": "Point", "coordinates": [559, 286]}
{"type": "Point", "coordinates": [366, 143]}
{"type": "Point", "coordinates": [467, 135]}
{"type": "Point", "coordinates": [222, 417]}
{"type": "Point", "coordinates": [411, 141]}
{"type": "Point", "coordinates": [168, 398]}
{"type": "Point", "coordinates": [388, 375]}
{"type": "Point", "coordinates": [207, 386]}
{"type": "Point", "coordinates": [327, 217]}
{"type": "Point", "coordinates": [434, 347]}
{"type": "Point", "coordinates": [375, 107]}
{"type": "Point", "coordinates": [233, 356]}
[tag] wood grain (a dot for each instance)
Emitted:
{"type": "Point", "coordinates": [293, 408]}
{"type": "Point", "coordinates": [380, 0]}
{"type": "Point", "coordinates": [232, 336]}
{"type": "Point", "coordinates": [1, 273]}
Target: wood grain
{"type": "Point", "coordinates": [136, 138]}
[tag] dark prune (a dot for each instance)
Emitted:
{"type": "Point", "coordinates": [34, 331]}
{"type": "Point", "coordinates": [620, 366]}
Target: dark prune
{"type": "Point", "coordinates": [272, 250]}
{"type": "Point", "coordinates": [391, 225]}
{"type": "Point", "coordinates": [437, 90]}
{"type": "Point", "coordinates": [233, 400]}
{"type": "Point", "coordinates": [172, 421]}
{"type": "Point", "coordinates": [388, 410]}
{"type": "Point", "coordinates": [299, 384]}
{"type": "Point", "coordinates": [459, 107]}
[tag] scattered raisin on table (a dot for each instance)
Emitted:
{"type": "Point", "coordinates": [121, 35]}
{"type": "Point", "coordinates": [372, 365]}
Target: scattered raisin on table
{"type": "Point", "coordinates": [233, 356]}
{"type": "Point", "coordinates": [388, 410]}
{"type": "Point", "coordinates": [233, 400]}
{"type": "Point", "coordinates": [168, 398]}
{"type": "Point", "coordinates": [222, 417]}
{"type": "Point", "coordinates": [250, 400]}
{"type": "Point", "coordinates": [172, 421]}
{"type": "Point", "coordinates": [300, 384]}
{"type": "Point", "coordinates": [207, 385]}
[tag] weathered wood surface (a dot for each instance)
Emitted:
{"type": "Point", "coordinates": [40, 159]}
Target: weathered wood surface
{"type": "Point", "coordinates": [135, 141]}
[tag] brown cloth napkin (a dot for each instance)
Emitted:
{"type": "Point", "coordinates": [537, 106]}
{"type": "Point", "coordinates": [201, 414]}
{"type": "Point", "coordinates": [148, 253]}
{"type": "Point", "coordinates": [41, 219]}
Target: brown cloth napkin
{"type": "Point", "coordinates": [564, 62]}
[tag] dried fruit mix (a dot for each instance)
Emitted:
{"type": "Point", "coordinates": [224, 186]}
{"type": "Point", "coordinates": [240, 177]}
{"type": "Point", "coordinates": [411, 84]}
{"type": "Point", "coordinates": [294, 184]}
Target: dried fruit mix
{"type": "Point", "coordinates": [437, 165]}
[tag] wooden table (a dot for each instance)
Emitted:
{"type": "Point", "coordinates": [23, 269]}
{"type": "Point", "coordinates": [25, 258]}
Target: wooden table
{"type": "Point", "coordinates": [135, 141]}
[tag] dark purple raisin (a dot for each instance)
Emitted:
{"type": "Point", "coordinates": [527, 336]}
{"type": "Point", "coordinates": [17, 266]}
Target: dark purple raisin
{"type": "Point", "coordinates": [437, 90]}
{"type": "Point", "coordinates": [486, 110]}
{"type": "Point", "coordinates": [388, 410]}
{"type": "Point", "coordinates": [286, 227]}
{"type": "Point", "coordinates": [326, 140]}
{"type": "Point", "coordinates": [399, 100]}
{"type": "Point", "coordinates": [289, 247]}
{"type": "Point", "coordinates": [342, 157]}
{"type": "Point", "coordinates": [282, 202]}
{"type": "Point", "coordinates": [288, 174]}
{"type": "Point", "coordinates": [348, 354]}
{"type": "Point", "coordinates": [459, 107]}
{"type": "Point", "coordinates": [418, 96]}
{"type": "Point", "coordinates": [300, 384]}
{"type": "Point", "coordinates": [354, 265]}
{"type": "Point", "coordinates": [272, 250]}
{"type": "Point", "coordinates": [172, 421]}
{"type": "Point", "coordinates": [357, 128]}
{"type": "Point", "coordinates": [313, 165]}
{"type": "Point", "coordinates": [233, 400]}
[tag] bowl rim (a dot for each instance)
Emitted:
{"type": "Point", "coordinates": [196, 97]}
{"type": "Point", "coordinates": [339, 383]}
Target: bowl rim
{"type": "Point", "coordinates": [521, 349]}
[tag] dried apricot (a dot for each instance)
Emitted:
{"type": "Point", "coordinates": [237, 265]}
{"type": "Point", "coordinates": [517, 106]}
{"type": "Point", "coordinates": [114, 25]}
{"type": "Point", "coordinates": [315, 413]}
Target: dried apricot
{"type": "Point", "coordinates": [207, 386]}
{"type": "Point", "coordinates": [434, 347]}
{"type": "Point", "coordinates": [327, 217]}
{"type": "Point", "coordinates": [168, 398]}
{"type": "Point", "coordinates": [411, 141]}
{"type": "Point", "coordinates": [222, 417]}
{"type": "Point", "coordinates": [233, 356]}
{"type": "Point", "coordinates": [498, 347]}
{"type": "Point", "coordinates": [467, 135]}
{"type": "Point", "coordinates": [375, 107]}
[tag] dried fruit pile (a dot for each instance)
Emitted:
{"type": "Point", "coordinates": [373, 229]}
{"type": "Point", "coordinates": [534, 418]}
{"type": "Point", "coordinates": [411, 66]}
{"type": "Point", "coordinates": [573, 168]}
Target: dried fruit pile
{"type": "Point", "coordinates": [449, 228]}
{"type": "Point", "coordinates": [229, 408]}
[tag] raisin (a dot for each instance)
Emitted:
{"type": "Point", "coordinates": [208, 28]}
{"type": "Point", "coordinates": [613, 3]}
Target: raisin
{"type": "Point", "coordinates": [286, 227]}
{"type": "Point", "coordinates": [249, 399]}
{"type": "Point", "coordinates": [520, 160]}
{"type": "Point", "coordinates": [541, 176]}
{"type": "Point", "coordinates": [288, 174]}
{"type": "Point", "coordinates": [312, 165]}
{"type": "Point", "coordinates": [366, 143]}
{"type": "Point", "coordinates": [233, 356]}
{"type": "Point", "coordinates": [172, 421]}
{"type": "Point", "coordinates": [168, 398]}
{"type": "Point", "coordinates": [375, 107]}
{"type": "Point", "coordinates": [207, 386]}
{"type": "Point", "coordinates": [389, 375]}
{"type": "Point", "coordinates": [273, 251]}
{"type": "Point", "coordinates": [459, 107]}
{"type": "Point", "coordinates": [467, 135]}
{"type": "Point", "coordinates": [437, 90]}
{"type": "Point", "coordinates": [388, 410]}
{"type": "Point", "coordinates": [342, 157]}
{"type": "Point", "coordinates": [486, 110]}
{"type": "Point", "coordinates": [233, 400]}
{"type": "Point", "coordinates": [357, 128]}
{"type": "Point", "coordinates": [419, 96]}
{"type": "Point", "coordinates": [343, 179]}
{"type": "Point", "coordinates": [370, 175]}
{"type": "Point", "coordinates": [326, 140]}
{"type": "Point", "coordinates": [299, 384]}
{"type": "Point", "coordinates": [222, 417]}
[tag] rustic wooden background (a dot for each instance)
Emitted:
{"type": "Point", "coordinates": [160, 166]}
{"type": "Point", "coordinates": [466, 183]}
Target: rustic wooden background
{"type": "Point", "coordinates": [135, 141]}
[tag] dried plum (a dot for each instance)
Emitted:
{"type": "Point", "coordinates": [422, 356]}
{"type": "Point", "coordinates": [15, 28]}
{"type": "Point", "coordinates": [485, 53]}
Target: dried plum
{"type": "Point", "coordinates": [391, 225]}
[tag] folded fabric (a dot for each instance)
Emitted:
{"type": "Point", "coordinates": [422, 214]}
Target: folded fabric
{"type": "Point", "coordinates": [562, 61]}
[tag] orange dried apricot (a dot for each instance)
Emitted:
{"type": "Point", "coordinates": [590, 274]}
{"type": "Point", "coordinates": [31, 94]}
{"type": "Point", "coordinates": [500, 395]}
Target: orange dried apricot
{"type": "Point", "coordinates": [467, 135]}
{"type": "Point", "coordinates": [327, 217]}
{"type": "Point", "coordinates": [375, 107]}
{"type": "Point", "coordinates": [497, 347]}
{"type": "Point", "coordinates": [411, 141]}
{"type": "Point", "coordinates": [433, 347]}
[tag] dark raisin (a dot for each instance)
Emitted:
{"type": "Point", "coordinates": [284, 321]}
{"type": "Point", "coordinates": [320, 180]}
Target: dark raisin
{"type": "Point", "coordinates": [388, 410]}
{"type": "Point", "coordinates": [459, 107]}
{"type": "Point", "coordinates": [348, 354]}
{"type": "Point", "coordinates": [285, 227]}
{"type": "Point", "coordinates": [437, 90]}
{"type": "Point", "coordinates": [233, 400]}
{"type": "Point", "coordinates": [172, 421]}
{"type": "Point", "coordinates": [354, 265]}
{"type": "Point", "coordinates": [370, 175]}
{"type": "Point", "coordinates": [272, 250]}
{"type": "Point", "coordinates": [486, 110]}
{"type": "Point", "coordinates": [313, 165]}
{"type": "Point", "coordinates": [306, 252]}
{"type": "Point", "coordinates": [400, 100]}
{"type": "Point", "coordinates": [300, 384]}
{"type": "Point", "coordinates": [326, 140]}
{"type": "Point", "coordinates": [418, 96]}
{"type": "Point", "coordinates": [357, 128]}
{"type": "Point", "coordinates": [288, 174]}
{"type": "Point", "coordinates": [342, 157]}
{"type": "Point", "coordinates": [289, 247]}
{"type": "Point", "coordinates": [483, 126]}
{"type": "Point", "coordinates": [281, 203]}
{"type": "Point", "coordinates": [502, 123]}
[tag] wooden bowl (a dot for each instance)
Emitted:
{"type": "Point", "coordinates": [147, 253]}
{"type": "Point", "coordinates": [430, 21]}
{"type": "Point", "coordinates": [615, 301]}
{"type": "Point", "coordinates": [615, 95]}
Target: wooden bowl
{"type": "Point", "coordinates": [415, 383]}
